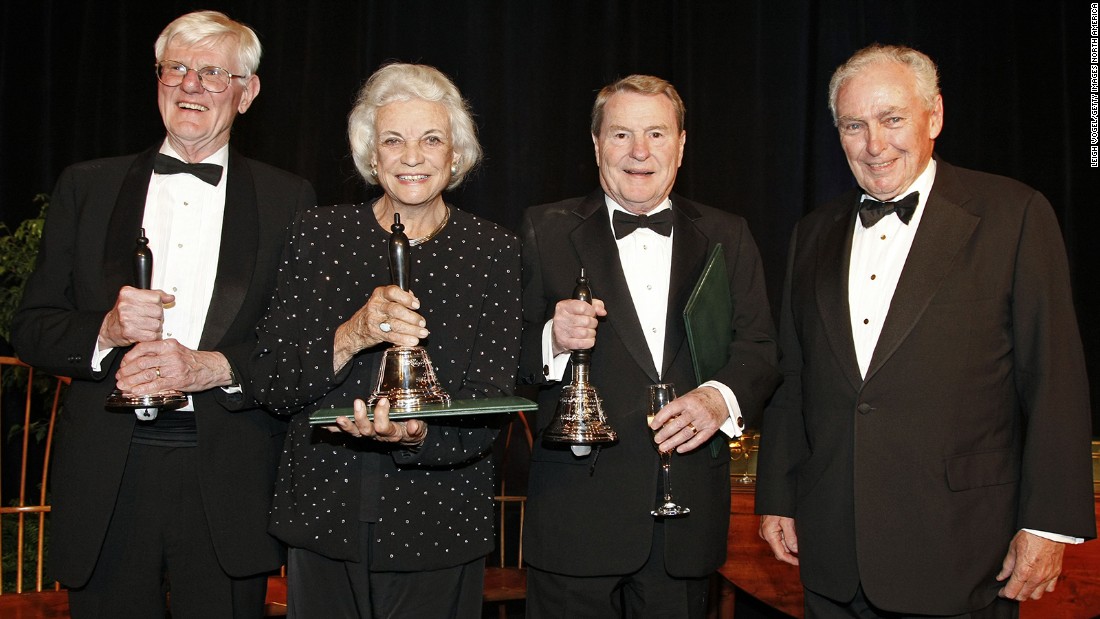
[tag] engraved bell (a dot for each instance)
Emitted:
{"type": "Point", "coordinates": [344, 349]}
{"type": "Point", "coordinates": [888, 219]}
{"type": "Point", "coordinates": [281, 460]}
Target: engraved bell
{"type": "Point", "coordinates": [579, 419]}
{"type": "Point", "coordinates": [406, 377]}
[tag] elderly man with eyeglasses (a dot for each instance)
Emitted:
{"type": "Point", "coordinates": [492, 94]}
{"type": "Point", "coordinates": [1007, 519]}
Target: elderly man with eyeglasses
{"type": "Point", "coordinates": [175, 506]}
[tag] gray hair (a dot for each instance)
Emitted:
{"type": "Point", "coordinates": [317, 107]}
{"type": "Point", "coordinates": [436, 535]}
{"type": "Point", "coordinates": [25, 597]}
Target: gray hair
{"type": "Point", "coordinates": [403, 82]}
{"type": "Point", "coordinates": [924, 70]}
{"type": "Point", "coordinates": [643, 85]}
{"type": "Point", "coordinates": [200, 26]}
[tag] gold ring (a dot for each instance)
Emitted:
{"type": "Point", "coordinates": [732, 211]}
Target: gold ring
{"type": "Point", "coordinates": [157, 370]}
{"type": "Point", "coordinates": [694, 430]}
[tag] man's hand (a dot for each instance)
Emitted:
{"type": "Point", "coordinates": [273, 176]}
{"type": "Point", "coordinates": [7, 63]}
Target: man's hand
{"type": "Point", "coordinates": [136, 317]}
{"type": "Point", "coordinates": [1032, 567]}
{"type": "Point", "coordinates": [689, 421]}
{"type": "Point", "coordinates": [779, 533]}
{"type": "Point", "coordinates": [160, 365]}
{"type": "Point", "coordinates": [575, 325]}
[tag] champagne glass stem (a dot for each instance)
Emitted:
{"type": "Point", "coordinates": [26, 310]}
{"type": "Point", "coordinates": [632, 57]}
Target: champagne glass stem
{"type": "Point", "coordinates": [666, 463]}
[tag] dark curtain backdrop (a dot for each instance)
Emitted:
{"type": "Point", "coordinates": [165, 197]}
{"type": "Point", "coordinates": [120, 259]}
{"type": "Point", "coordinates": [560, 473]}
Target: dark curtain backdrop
{"type": "Point", "coordinates": [76, 82]}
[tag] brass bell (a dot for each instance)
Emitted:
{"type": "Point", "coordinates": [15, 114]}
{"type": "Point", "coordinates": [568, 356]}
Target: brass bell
{"type": "Point", "coordinates": [406, 377]}
{"type": "Point", "coordinates": [579, 418]}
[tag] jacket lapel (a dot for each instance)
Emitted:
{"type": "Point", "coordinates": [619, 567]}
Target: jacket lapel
{"type": "Point", "coordinates": [944, 228]}
{"type": "Point", "coordinates": [690, 248]}
{"type": "Point", "coordinates": [831, 287]}
{"type": "Point", "coordinates": [237, 257]}
{"type": "Point", "coordinates": [125, 225]}
{"type": "Point", "coordinates": [594, 243]}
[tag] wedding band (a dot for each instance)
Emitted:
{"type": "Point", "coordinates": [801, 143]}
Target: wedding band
{"type": "Point", "coordinates": [694, 430]}
{"type": "Point", "coordinates": [157, 370]}
{"type": "Point", "coordinates": [385, 327]}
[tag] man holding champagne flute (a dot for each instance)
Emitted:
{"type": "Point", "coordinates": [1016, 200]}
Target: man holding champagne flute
{"type": "Point", "coordinates": [593, 546]}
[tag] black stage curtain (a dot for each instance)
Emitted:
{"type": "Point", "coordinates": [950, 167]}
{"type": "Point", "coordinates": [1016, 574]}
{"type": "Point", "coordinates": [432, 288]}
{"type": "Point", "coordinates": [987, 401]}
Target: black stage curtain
{"type": "Point", "coordinates": [76, 82]}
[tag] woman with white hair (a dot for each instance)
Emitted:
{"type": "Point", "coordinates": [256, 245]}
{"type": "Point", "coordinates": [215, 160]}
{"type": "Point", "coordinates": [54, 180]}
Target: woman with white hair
{"type": "Point", "coordinates": [391, 518]}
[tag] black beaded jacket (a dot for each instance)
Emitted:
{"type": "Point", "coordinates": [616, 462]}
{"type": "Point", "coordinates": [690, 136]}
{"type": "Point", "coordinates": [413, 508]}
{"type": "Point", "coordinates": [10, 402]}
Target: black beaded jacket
{"type": "Point", "coordinates": [432, 506]}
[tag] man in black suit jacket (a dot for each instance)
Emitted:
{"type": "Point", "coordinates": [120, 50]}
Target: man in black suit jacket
{"type": "Point", "coordinates": [179, 503]}
{"type": "Point", "coordinates": [593, 547]}
{"type": "Point", "coordinates": [931, 437]}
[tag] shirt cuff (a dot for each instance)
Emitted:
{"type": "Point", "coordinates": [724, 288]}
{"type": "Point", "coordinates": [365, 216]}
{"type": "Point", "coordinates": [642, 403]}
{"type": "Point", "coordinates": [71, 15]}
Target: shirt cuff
{"type": "Point", "coordinates": [553, 365]}
{"type": "Point", "coordinates": [734, 423]}
{"type": "Point", "coordinates": [98, 356]}
{"type": "Point", "coordinates": [234, 385]}
{"type": "Point", "coordinates": [1057, 537]}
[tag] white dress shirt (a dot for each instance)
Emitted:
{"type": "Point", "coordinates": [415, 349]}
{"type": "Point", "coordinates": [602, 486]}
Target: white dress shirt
{"type": "Point", "coordinates": [878, 257]}
{"type": "Point", "coordinates": [183, 220]}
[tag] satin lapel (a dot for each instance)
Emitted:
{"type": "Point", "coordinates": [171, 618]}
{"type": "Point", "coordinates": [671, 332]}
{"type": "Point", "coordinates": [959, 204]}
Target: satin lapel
{"type": "Point", "coordinates": [237, 257]}
{"type": "Point", "coordinates": [125, 224]}
{"type": "Point", "coordinates": [594, 243]}
{"type": "Point", "coordinates": [835, 253]}
{"type": "Point", "coordinates": [689, 253]}
{"type": "Point", "coordinates": [944, 228]}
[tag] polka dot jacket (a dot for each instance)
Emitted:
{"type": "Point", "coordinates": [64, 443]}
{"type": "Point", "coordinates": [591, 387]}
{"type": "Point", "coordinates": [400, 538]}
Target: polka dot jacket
{"type": "Point", "coordinates": [432, 505]}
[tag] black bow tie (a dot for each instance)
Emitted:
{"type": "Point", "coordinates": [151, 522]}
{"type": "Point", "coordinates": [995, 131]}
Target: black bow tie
{"type": "Point", "coordinates": [208, 172]}
{"type": "Point", "coordinates": [870, 211]}
{"type": "Point", "coordinates": [625, 223]}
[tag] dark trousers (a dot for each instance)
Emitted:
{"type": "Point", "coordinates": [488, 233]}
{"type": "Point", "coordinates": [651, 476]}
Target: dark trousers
{"type": "Point", "coordinates": [649, 593]}
{"type": "Point", "coordinates": [821, 607]}
{"type": "Point", "coordinates": [320, 587]}
{"type": "Point", "coordinates": [158, 550]}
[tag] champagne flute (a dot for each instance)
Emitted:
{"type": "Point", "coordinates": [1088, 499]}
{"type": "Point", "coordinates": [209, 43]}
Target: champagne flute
{"type": "Point", "coordinates": [658, 396]}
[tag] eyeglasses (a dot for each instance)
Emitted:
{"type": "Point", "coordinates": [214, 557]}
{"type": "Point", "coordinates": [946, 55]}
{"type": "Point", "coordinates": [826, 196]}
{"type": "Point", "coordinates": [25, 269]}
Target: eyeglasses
{"type": "Point", "coordinates": [213, 79]}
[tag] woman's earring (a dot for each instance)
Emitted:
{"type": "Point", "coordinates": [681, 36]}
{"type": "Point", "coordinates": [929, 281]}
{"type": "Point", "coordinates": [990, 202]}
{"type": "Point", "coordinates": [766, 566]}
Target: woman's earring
{"type": "Point", "coordinates": [454, 169]}
{"type": "Point", "coordinates": [374, 172]}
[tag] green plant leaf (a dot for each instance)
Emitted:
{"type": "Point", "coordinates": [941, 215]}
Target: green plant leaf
{"type": "Point", "coordinates": [18, 252]}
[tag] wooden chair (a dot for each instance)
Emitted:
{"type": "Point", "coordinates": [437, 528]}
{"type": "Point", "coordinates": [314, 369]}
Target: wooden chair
{"type": "Point", "coordinates": [505, 575]}
{"type": "Point", "coordinates": [25, 513]}
{"type": "Point", "coordinates": [275, 603]}
{"type": "Point", "coordinates": [24, 502]}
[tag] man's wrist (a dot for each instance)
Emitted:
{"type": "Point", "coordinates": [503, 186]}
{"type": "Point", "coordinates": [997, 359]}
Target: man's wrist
{"type": "Point", "coordinates": [233, 382]}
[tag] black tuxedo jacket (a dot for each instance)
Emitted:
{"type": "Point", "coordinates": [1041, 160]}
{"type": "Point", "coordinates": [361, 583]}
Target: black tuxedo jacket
{"type": "Point", "coordinates": [972, 421]}
{"type": "Point", "coordinates": [592, 518]}
{"type": "Point", "coordinates": [85, 257]}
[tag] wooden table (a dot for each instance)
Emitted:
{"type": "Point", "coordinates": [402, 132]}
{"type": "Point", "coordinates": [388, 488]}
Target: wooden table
{"type": "Point", "coordinates": [750, 567]}
{"type": "Point", "coordinates": [35, 605]}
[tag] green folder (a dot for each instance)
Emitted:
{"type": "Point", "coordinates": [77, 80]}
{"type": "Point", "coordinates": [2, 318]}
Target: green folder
{"type": "Point", "coordinates": [476, 406]}
{"type": "Point", "coordinates": [707, 317]}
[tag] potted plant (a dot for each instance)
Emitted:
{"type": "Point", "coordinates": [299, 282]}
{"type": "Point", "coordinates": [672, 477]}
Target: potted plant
{"type": "Point", "coordinates": [18, 250]}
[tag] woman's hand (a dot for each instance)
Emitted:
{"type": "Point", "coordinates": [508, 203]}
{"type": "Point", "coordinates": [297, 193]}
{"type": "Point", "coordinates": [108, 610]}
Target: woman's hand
{"type": "Point", "coordinates": [380, 428]}
{"type": "Point", "coordinates": [389, 315]}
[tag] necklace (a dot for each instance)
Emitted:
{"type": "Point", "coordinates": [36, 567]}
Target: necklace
{"type": "Point", "coordinates": [429, 236]}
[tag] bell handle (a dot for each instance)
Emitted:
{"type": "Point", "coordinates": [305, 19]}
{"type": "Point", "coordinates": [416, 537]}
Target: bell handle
{"type": "Point", "coordinates": [143, 263]}
{"type": "Point", "coordinates": [582, 292]}
{"type": "Point", "coordinates": [399, 254]}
